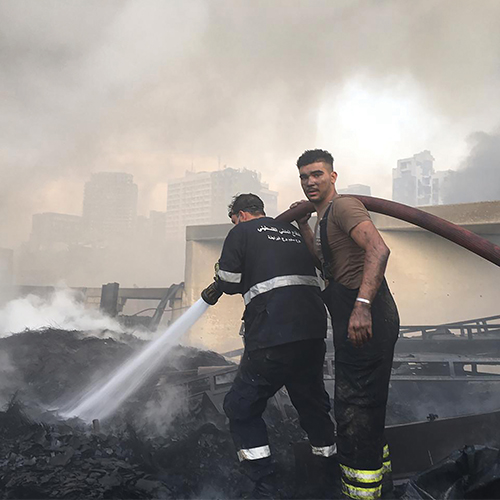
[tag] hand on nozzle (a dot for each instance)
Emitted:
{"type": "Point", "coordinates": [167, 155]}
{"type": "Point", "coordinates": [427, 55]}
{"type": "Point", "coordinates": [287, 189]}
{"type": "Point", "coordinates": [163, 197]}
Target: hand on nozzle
{"type": "Point", "coordinates": [304, 220]}
{"type": "Point", "coordinates": [211, 294]}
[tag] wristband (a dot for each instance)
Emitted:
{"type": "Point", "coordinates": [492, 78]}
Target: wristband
{"type": "Point", "coordinates": [364, 301]}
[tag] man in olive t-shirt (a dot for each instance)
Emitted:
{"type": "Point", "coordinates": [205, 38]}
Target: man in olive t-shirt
{"type": "Point", "coordinates": [347, 257]}
{"type": "Point", "coordinates": [365, 321]}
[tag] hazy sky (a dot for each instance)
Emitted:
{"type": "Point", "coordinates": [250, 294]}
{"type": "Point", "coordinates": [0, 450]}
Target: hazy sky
{"type": "Point", "coordinates": [155, 87]}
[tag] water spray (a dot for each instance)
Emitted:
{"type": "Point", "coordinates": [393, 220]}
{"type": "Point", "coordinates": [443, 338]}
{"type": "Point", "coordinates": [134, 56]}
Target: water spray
{"type": "Point", "coordinates": [102, 401]}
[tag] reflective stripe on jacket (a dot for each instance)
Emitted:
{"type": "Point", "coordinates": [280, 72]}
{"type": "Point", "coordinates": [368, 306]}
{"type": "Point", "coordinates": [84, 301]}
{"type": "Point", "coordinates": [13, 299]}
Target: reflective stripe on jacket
{"type": "Point", "coordinates": [268, 263]}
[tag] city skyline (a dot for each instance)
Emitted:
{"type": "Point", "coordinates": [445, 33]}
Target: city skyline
{"type": "Point", "coordinates": [82, 249]}
{"type": "Point", "coordinates": [109, 207]}
{"type": "Point", "coordinates": [354, 188]}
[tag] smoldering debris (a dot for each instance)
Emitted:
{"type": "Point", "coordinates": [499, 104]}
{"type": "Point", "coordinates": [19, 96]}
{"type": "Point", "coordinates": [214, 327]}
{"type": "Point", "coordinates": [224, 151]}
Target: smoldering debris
{"type": "Point", "coordinates": [49, 367]}
{"type": "Point", "coordinates": [161, 444]}
{"type": "Point", "coordinates": [169, 440]}
{"type": "Point", "coordinates": [59, 460]}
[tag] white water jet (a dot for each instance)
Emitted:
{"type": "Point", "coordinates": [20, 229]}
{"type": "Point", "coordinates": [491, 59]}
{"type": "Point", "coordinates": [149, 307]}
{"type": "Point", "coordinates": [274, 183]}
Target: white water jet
{"type": "Point", "coordinates": [101, 402]}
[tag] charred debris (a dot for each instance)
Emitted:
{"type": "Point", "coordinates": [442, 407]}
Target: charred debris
{"type": "Point", "coordinates": [170, 440]}
{"type": "Point", "coordinates": [164, 443]}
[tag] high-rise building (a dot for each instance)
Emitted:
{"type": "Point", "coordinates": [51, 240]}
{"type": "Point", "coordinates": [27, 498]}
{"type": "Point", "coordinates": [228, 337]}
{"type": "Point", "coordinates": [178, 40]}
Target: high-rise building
{"type": "Point", "coordinates": [438, 180]}
{"type": "Point", "coordinates": [203, 197]}
{"type": "Point", "coordinates": [109, 206]}
{"type": "Point", "coordinates": [356, 189]}
{"type": "Point", "coordinates": [51, 229]}
{"type": "Point", "coordinates": [415, 182]}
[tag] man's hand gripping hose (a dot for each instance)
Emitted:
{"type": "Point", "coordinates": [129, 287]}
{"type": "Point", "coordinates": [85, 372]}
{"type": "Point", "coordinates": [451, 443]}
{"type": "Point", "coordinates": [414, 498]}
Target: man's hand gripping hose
{"type": "Point", "coordinates": [211, 294]}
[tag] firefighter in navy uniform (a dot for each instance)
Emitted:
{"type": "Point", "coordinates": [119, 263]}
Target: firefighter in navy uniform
{"type": "Point", "coordinates": [268, 263]}
{"type": "Point", "coordinates": [365, 320]}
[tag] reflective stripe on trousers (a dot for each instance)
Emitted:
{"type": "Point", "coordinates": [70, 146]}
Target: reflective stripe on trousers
{"type": "Point", "coordinates": [254, 453]}
{"type": "Point", "coordinates": [386, 464]}
{"type": "Point", "coordinates": [324, 451]}
{"type": "Point", "coordinates": [361, 484]}
{"type": "Point", "coordinates": [361, 492]}
{"type": "Point", "coordinates": [365, 484]}
{"type": "Point", "coordinates": [362, 476]}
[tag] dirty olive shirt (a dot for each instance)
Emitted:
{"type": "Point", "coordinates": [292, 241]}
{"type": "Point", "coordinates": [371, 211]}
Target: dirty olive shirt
{"type": "Point", "coordinates": [347, 257]}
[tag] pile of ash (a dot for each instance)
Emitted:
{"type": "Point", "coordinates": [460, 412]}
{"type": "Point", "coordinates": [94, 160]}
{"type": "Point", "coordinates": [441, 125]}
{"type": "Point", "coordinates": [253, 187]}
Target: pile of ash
{"type": "Point", "coordinates": [59, 460]}
{"type": "Point", "coordinates": [146, 450]}
{"type": "Point", "coordinates": [51, 366]}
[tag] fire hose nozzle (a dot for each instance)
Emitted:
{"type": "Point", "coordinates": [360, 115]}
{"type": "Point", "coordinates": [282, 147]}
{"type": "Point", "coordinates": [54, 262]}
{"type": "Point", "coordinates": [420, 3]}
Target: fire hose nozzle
{"type": "Point", "coordinates": [211, 294]}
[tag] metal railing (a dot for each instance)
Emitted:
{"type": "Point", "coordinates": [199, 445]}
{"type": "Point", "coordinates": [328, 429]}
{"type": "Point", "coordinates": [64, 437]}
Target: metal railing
{"type": "Point", "coordinates": [487, 327]}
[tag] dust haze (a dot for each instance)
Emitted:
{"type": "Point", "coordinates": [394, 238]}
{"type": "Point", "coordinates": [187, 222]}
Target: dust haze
{"type": "Point", "coordinates": [159, 87]}
{"type": "Point", "coordinates": [478, 178]}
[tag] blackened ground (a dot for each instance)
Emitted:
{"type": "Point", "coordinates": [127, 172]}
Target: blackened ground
{"type": "Point", "coordinates": [50, 366]}
{"type": "Point", "coordinates": [155, 447]}
{"type": "Point", "coordinates": [65, 460]}
{"type": "Point", "coordinates": [43, 456]}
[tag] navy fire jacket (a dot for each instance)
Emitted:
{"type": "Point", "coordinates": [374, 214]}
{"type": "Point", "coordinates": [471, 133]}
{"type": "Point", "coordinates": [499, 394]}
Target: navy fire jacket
{"type": "Point", "coordinates": [268, 262]}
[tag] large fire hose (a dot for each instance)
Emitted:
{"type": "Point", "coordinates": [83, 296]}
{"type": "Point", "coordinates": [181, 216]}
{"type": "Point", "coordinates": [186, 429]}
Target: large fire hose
{"type": "Point", "coordinates": [432, 223]}
{"type": "Point", "coordinates": [463, 237]}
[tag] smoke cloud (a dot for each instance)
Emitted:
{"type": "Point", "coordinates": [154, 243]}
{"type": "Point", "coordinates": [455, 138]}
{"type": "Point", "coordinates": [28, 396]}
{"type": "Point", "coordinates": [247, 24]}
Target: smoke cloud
{"type": "Point", "coordinates": [61, 310]}
{"type": "Point", "coordinates": [478, 178]}
{"type": "Point", "coordinates": [159, 413]}
{"type": "Point", "coordinates": [155, 88]}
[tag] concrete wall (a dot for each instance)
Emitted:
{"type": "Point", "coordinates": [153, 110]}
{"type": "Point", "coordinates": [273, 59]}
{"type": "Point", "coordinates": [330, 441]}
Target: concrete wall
{"type": "Point", "coordinates": [436, 281]}
{"type": "Point", "coordinates": [433, 280]}
{"type": "Point", "coordinates": [219, 328]}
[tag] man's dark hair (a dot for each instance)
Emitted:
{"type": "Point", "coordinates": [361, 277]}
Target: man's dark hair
{"type": "Point", "coordinates": [314, 155]}
{"type": "Point", "coordinates": [250, 203]}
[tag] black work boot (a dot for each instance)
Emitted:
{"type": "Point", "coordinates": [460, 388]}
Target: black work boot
{"type": "Point", "coordinates": [266, 488]}
{"type": "Point", "coordinates": [263, 474]}
{"type": "Point", "coordinates": [327, 477]}
{"type": "Point", "coordinates": [387, 485]}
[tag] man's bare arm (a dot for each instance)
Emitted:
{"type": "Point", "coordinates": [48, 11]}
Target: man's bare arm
{"type": "Point", "coordinates": [365, 234]}
{"type": "Point", "coordinates": [377, 253]}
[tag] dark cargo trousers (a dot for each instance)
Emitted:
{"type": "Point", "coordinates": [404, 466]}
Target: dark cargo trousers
{"type": "Point", "coordinates": [299, 367]}
{"type": "Point", "coordinates": [361, 388]}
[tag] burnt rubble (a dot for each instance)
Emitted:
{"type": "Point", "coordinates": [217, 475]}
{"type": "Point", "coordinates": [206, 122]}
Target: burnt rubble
{"type": "Point", "coordinates": [51, 366]}
{"type": "Point", "coordinates": [45, 456]}
{"type": "Point", "coordinates": [63, 461]}
{"type": "Point", "coordinates": [167, 441]}
{"type": "Point", "coordinates": [66, 460]}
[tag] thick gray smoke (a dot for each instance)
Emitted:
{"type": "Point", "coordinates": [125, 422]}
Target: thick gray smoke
{"type": "Point", "coordinates": [152, 88]}
{"type": "Point", "coordinates": [478, 178]}
{"type": "Point", "coordinates": [61, 310]}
